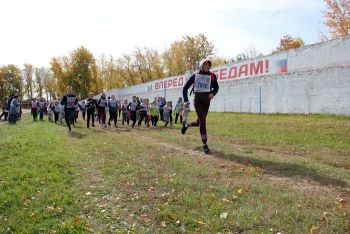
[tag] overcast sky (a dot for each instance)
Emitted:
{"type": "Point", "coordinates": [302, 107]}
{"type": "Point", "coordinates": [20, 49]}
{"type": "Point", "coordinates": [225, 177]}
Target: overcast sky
{"type": "Point", "coordinates": [34, 31]}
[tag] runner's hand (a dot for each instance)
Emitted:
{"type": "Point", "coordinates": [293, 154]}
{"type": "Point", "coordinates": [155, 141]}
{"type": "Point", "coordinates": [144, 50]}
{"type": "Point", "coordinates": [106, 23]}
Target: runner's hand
{"type": "Point", "coordinates": [211, 96]}
{"type": "Point", "coordinates": [187, 104]}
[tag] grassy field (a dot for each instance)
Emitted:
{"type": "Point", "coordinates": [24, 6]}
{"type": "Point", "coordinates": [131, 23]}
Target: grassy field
{"type": "Point", "coordinates": [266, 174]}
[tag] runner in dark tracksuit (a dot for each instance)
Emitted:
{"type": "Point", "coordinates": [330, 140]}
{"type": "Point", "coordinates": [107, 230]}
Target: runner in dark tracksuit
{"type": "Point", "coordinates": [69, 101]}
{"type": "Point", "coordinates": [124, 108]}
{"type": "Point", "coordinates": [42, 108]}
{"type": "Point", "coordinates": [102, 104]}
{"type": "Point", "coordinates": [91, 105]}
{"type": "Point", "coordinates": [113, 106]}
{"type": "Point", "coordinates": [56, 110]}
{"type": "Point", "coordinates": [205, 86]}
{"type": "Point", "coordinates": [4, 109]}
{"type": "Point", "coordinates": [144, 110]}
{"type": "Point", "coordinates": [133, 107]}
{"type": "Point", "coordinates": [35, 105]}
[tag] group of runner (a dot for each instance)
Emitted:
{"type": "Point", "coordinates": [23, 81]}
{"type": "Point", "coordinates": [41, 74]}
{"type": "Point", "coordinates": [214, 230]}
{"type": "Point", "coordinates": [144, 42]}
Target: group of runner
{"type": "Point", "coordinates": [11, 108]}
{"type": "Point", "coordinates": [205, 87]}
{"type": "Point", "coordinates": [140, 111]}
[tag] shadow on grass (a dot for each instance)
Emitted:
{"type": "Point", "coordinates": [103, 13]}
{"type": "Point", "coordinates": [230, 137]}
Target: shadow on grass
{"type": "Point", "coordinates": [283, 169]}
{"type": "Point", "coordinates": [144, 129]}
{"type": "Point", "coordinates": [117, 129]}
{"type": "Point", "coordinates": [79, 127]}
{"type": "Point", "coordinates": [77, 134]}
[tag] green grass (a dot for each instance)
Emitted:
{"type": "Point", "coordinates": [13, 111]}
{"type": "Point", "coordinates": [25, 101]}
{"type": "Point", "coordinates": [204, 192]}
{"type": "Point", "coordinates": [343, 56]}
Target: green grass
{"type": "Point", "coordinates": [36, 179]}
{"type": "Point", "coordinates": [269, 173]}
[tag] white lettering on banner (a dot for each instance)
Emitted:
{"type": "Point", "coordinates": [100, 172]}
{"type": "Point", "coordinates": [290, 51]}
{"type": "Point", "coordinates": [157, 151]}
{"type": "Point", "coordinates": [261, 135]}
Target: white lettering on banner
{"type": "Point", "coordinates": [202, 83]}
{"type": "Point", "coordinates": [257, 67]}
{"type": "Point", "coordinates": [174, 82]}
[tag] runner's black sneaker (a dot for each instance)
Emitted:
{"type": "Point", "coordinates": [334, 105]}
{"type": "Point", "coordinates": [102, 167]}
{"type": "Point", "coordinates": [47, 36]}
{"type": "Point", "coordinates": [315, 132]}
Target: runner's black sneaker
{"type": "Point", "coordinates": [184, 127]}
{"type": "Point", "coordinates": [206, 149]}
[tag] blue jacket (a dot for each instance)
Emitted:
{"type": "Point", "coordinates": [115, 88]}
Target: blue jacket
{"type": "Point", "coordinates": [9, 103]}
{"type": "Point", "coordinates": [13, 106]}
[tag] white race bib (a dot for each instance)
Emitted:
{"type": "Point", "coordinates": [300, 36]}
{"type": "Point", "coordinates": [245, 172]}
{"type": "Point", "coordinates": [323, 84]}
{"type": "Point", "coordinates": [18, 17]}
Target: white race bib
{"type": "Point", "coordinates": [113, 103]}
{"type": "Point", "coordinates": [71, 102]}
{"type": "Point", "coordinates": [202, 83]}
{"type": "Point", "coordinates": [103, 102]}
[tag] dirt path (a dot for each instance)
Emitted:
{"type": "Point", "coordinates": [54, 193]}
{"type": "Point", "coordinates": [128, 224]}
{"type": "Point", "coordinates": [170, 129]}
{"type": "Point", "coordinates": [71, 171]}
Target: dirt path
{"type": "Point", "coordinates": [307, 186]}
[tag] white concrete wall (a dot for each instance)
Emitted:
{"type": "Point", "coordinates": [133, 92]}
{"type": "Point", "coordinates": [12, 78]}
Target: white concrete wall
{"type": "Point", "coordinates": [315, 79]}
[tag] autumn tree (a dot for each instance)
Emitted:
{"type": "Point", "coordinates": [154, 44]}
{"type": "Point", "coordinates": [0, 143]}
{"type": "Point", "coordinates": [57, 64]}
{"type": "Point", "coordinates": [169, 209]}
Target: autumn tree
{"type": "Point", "coordinates": [58, 74]}
{"type": "Point", "coordinates": [83, 72]}
{"type": "Point", "coordinates": [127, 73]}
{"type": "Point", "coordinates": [111, 76]}
{"type": "Point", "coordinates": [155, 58]}
{"type": "Point", "coordinates": [148, 64]}
{"type": "Point", "coordinates": [337, 18]}
{"type": "Point", "coordinates": [101, 72]}
{"type": "Point", "coordinates": [29, 84]}
{"type": "Point", "coordinates": [39, 79]}
{"type": "Point", "coordinates": [78, 70]}
{"type": "Point", "coordinates": [50, 84]}
{"type": "Point", "coordinates": [288, 42]}
{"type": "Point", "coordinates": [175, 59]}
{"type": "Point", "coordinates": [185, 55]}
{"type": "Point", "coordinates": [11, 81]}
{"type": "Point", "coordinates": [248, 53]}
{"type": "Point", "coordinates": [3, 82]}
{"type": "Point", "coordinates": [218, 61]}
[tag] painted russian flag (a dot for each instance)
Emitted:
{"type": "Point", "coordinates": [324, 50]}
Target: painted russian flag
{"type": "Point", "coordinates": [282, 65]}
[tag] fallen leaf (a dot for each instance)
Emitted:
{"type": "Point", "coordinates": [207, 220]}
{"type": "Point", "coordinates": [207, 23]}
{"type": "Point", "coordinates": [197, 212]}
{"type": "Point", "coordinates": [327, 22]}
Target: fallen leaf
{"type": "Point", "coordinates": [88, 194]}
{"type": "Point", "coordinates": [145, 218]}
{"type": "Point", "coordinates": [201, 222]}
{"type": "Point", "coordinates": [342, 204]}
{"type": "Point", "coordinates": [219, 204]}
{"type": "Point", "coordinates": [163, 224]}
{"type": "Point", "coordinates": [76, 219]}
{"type": "Point", "coordinates": [223, 215]}
{"type": "Point", "coordinates": [324, 216]}
{"type": "Point", "coordinates": [164, 196]}
{"type": "Point", "coordinates": [55, 209]}
{"type": "Point", "coordinates": [314, 229]}
{"type": "Point", "coordinates": [89, 229]}
{"type": "Point", "coordinates": [240, 190]}
{"type": "Point", "coordinates": [210, 189]}
{"type": "Point", "coordinates": [150, 189]}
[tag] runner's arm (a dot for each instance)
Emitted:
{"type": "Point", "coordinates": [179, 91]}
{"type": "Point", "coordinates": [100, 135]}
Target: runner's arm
{"type": "Point", "coordinates": [215, 86]}
{"type": "Point", "coordinates": [188, 84]}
